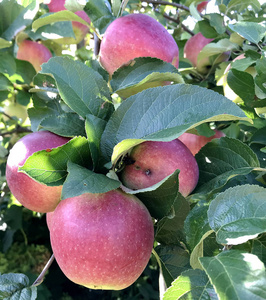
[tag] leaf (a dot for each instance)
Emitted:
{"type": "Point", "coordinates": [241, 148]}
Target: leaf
{"type": "Point", "coordinates": [217, 21]}
{"type": "Point", "coordinates": [259, 248]}
{"type": "Point", "coordinates": [5, 84]}
{"type": "Point", "coordinates": [251, 31]}
{"type": "Point", "coordinates": [50, 166]}
{"type": "Point", "coordinates": [191, 284]}
{"type": "Point", "coordinates": [238, 214]}
{"type": "Point", "coordinates": [24, 19]}
{"type": "Point", "coordinates": [240, 5]}
{"type": "Point", "coordinates": [7, 63]}
{"type": "Point", "coordinates": [4, 43]}
{"type": "Point", "coordinates": [221, 160]}
{"type": "Point", "coordinates": [236, 275]}
{"type": "Point", "coordinates": [67, 124]}
{"type": "Point", "coordinates": [24, 72]}
{"type": "Point", "coordinates": [16, 286]}
{"type": "Point", "coordinates": [81, 180]}
{"type": "Point", "coordinates": [143, 73]}
{"type": "Point", "coordinates": [81, 88]}
{"type": "Point", "coordinates": [164, 113]}
{"type": "Point", "coordinates": [170, 229]}
{"type": "Point", "coordinates": [64, 15]}
{"type": "Point", "coordinates": [174, 260]}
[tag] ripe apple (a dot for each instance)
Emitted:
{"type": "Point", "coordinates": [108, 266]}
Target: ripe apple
{"type": "Point", "coordinates": [195, 142]}
{"type": "Point", "coordinates": [30, 193]}
{"type": "Point", "coordinates": [150, 162]}
{"type": "Point", "coordinates": [80, 30]}
{"type": "Point", "coordinates": [201, 6]}
{"type": "Point", "coordinates": [193, 47]}
{"type": "Point", "coordinates": [136, 35]}
{"type": "Point", "coordinates": [33, 52]}
{"type": "Point", "coordinates": [102, 241]}
{"type": "Point", "coordinates": [15, 110]}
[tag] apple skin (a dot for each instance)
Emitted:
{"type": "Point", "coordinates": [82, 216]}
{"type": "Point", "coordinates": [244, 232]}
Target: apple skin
{"type": "Point", "coordinates": [136, 35]}
{"type": "Point", "coordinates": [15, 110]}
{"type": "Point", "coordinates": [192, 49]}
{"type": "Point", "coordinates": [102, 241]}
{"type": "Point", "coordinates": [201, 6]}
{"type": "Point", "coordinates": [80, 30]}
{"type": "Point", "coordinates": [196, 142]}
{"type": "Point", "coordinates": [153, 161]}
{"type": "Point", "coordinates": [33, 52]}
{"type": "Point", "coordinates": [30, 193]}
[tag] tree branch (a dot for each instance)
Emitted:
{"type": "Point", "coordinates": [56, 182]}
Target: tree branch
{"type": "Point", "coordinates": [179, 6]}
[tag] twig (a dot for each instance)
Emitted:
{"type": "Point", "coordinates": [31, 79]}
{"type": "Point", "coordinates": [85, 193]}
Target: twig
{"type": "Point", "coordinates": [40, 278]}
{"type": "Point", "coordinates": [18, 129]}
{"type": "Point", "coordinates": [179, 6]}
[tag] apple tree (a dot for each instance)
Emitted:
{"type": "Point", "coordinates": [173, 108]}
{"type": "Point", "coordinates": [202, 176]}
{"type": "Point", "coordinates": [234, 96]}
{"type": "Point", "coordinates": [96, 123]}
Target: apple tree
{"type": "Point", "coordinates": [99, 196]}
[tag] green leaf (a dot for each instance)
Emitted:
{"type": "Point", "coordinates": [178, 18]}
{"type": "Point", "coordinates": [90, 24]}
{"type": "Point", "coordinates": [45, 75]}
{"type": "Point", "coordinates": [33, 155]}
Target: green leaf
{"type": "Point", "coordinates": [170, 229]}
{"type": "Point", "coordinates": [174, 260]}
{"type": "Point", "coordinates": [251, 31]}
{"type": "Point", "coordinates": [24, 19]}
{"type": "Point", "coordinates": [64, 15]}
{"type": "Point", "coordinates": [206, 29]}
{"type": "Point", "coordinates": [240, 5]}
{"type": "Point", "coordinates": [99, 14]}
{"type": "Point", "coordinates": [24, 72]}
{"type": "Point", "coordinates": [4, 43]}
{"type": "Point", "coordinates": [16, 286]}
{"type": "Point", "coordinates": [221, 160]}
{"type": "Point", "coordinates": [217, 21]}
{"type": "Point", "coordinates": [81, 180]}
{"type": "Point", "coordinates": [94, 128]}
{"type": "Point", "coordinates": [259, 248]}
{"type": "Point", "coordinates": [143, 73]}
{"type": "Point", "coordinates": [67, 124]}
{"type": "Point", "coordinates": [191, 284]}
{"type": "Point", "coordinates": [50, 166]}
{"type": "Point", "coordinates": [236, 275]}
{"type": "Point", "coordinates": [164, 113]}
{"type": "Point", "coordinates": [5, 84]}
{"type": "Point", "coordinates": [7, 63]}
{"type": "Point", "coordinates": [81, 88]}
{"type": "Point", "coordinates": [238, 214]}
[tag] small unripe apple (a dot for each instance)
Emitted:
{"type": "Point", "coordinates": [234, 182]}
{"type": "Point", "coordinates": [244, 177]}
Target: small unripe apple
{"type": "Point", "coordinates": [102, 241]}
{"type": "Point", "coordinates": [33, 52]}
{"type": "Point", "coordinates": [195, 142]}
{"type": "Point", "coordinates": [136, 35]}
{"type": "Point", "coordinates": [80, 30]}
{"type": "Point", "coordinates": [15, 110]}
{"type": "Point", "coordinates": [30, 193]}
{"type": "Point", "coordinates": [193, 47]}
{"type": "Point", "coordinates": [150, 162]}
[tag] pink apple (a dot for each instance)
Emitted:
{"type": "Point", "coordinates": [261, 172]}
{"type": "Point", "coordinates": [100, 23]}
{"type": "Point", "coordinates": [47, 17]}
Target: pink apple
{"type": "Point", "coordinates": [193, 47]}
{"type": "Point", "coordinates": [136, 35]}
{"type": "Point", "coordinates": [30, 193]}
{"type": "Point", "coordinates": [153, 161]}
{"type": "Point", "coordinates": [102, 241]}
{"type": "Point", "coordinates": [201, 6]}
{"type": "Point", "coordinates": [33, 52]}
{"type": "Point", "coordinates": [79, 29]}
{"type": "Point", "coordinates": [196, 142]}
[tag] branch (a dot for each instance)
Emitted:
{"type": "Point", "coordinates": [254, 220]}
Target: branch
{"type": "Point", "coordinates": [179, 6]}
{"type": "Point", "coordinates": [18, 129]}
{"type": "Point", "coordinates": [40, 278]}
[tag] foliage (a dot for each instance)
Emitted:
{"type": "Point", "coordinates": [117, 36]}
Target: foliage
{"type": "Point", "coordinates": [210, 245]}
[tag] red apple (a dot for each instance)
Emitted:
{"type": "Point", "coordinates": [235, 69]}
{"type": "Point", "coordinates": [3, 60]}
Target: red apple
{"type": "Point", "coordinates": [33, 52]}
{"type": "Point", "coordinates": [201, 6]}
{"type": "Point", "coordinates": [30, 193]}
{"type": "Point", "coordinates": [150, 162]}
{"type": "Point", "coordinates": [196, 142]}
{"type": "Point", "coordinates": [102, 241]}
{"type": "Point", "coordinates": [193, 47]}
{"type": "Point", "coordinates": [80, 30]}
{"type": "Point", "coordinates": [136, 35]}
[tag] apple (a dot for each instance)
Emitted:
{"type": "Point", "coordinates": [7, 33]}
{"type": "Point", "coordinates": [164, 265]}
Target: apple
{"type": "Point", "coordinates": [193, 47]}
{"type": "Point", "coordinates": [80, 30]}
{"type": "Point", "coordinates": [17, 110]}
{"type": "Point", "coordinates": [150, 162]}
{"type": "Point", "coordinates": [201, 6]}
{"type": "Point", "coordinates": [33, 52]}
{"type": "Point", "coordinates": [102, 241]}
{"type": "Point", "coordinates": [195, 142]}
{"type": "Point", "coordinates": [136, 35]}
{"type": "Point", "coordinates": [30, 193]}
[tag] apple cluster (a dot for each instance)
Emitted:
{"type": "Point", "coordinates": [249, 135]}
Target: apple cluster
{"type": "Point", "coordinates": [104, 241]}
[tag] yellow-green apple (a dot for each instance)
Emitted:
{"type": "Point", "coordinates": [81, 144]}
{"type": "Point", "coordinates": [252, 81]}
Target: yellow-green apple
{"type": "Point", "coordinates": [30, 193]}
{"type": "Point", "coordinates": [17, 110]}
{"type": "Point", "coordinates": [150, 162]}
{"type": "Point", "coordinates": [33, 52]}
{"type": "Point", "coordinates": [102, 241]}
{"type": "Point", "coordinates": [193, 47]}
{"type": "Point", "coordinates": [80, 30]}
{"type": "Point", "coordinates": [136, 35]}
{"type": "Point", "coordinates": [195, 142]}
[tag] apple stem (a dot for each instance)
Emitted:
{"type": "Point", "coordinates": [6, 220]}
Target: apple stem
{"type": "Point", "coordinates": [40, 278]}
